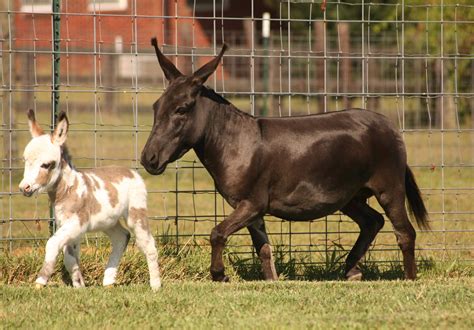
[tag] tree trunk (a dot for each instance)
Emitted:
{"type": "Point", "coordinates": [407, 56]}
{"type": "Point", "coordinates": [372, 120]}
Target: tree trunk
{"type": "Point", "coordinates": [444, 104]}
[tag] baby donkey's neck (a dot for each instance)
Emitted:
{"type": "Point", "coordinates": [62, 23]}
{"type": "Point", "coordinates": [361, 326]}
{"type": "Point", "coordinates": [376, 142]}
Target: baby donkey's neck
{"type": "Point", "coordinates": [67, 181]}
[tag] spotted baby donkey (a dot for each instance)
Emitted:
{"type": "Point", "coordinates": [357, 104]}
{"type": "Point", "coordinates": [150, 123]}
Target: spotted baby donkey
{"type": "Point", "coordinates": [84, 201]}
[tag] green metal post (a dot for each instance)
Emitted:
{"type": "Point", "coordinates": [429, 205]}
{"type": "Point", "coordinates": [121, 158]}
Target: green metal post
{"type": "Point", "coordinates": [56, 6]}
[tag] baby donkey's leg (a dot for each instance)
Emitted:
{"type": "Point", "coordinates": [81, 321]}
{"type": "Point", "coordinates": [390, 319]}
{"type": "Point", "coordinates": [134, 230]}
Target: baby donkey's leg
{"type": "Point", "coordinates": [71, 231]}
{"type": "Point", "coordinates": [138, 222]}
{"type": "Point", "coordinates": [71, 261]}
{"type": "Point", "coordinates": [119, 237]}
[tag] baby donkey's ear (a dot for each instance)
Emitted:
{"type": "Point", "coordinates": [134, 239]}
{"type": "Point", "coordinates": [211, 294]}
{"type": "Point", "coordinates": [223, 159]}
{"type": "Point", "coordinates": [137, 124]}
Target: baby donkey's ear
{"type": "Point", "coordinates": [60, 132]}
{"type": "Point", "coordinates": [35, 129]}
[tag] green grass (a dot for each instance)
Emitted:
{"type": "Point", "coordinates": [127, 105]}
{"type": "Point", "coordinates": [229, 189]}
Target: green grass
{"type": "Point", "coordinates": [441, 297]}
{"type": "Point", "coordinates": [424, 304]}
{"type": "Point", "coordinates": [192, 263]}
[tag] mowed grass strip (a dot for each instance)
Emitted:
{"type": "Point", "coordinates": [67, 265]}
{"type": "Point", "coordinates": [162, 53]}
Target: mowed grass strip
{"type": "Point", "coordinates": [434, 303]}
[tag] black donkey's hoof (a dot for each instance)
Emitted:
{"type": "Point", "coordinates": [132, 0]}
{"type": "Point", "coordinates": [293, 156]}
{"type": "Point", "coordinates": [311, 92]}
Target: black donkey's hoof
{"type": "Point", "coordinates": [220, 277]}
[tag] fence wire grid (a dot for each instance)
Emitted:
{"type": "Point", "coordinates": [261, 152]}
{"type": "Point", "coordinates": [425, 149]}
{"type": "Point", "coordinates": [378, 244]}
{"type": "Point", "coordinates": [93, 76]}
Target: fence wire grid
{"type": "Point", "coordinates": [410, 60]}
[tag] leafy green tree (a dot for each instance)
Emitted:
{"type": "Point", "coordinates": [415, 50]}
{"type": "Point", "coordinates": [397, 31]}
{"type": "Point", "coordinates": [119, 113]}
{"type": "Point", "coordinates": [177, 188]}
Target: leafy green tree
{"type": "Point", "coordinates": [440, 31]}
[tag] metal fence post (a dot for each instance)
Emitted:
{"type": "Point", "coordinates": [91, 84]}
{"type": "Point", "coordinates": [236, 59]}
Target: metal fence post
{"type": "Point", "coordinates": [266, 59]}
{"type": "Point", "coordinates": [56, 56]}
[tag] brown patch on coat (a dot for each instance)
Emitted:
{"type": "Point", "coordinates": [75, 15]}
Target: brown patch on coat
{"type": "Point", "coordinates": [43, 177]}
{"type": "Point", "coordinates": [59, 193]}
{"type": "Point", "coordinates": [67, 199]}
{"type": "Point", "coordinates": [138, 216]}
{"type": "Point", "coordinates": [108, 186]}
{"type": "Point", "coordinates": [110, 175]}
{"type": "Point", "coordinates": [113, 193]}
{"type": "Point", "coordinates": [93, 206]}
{"type": "Point", "coordinates": [96, 183]}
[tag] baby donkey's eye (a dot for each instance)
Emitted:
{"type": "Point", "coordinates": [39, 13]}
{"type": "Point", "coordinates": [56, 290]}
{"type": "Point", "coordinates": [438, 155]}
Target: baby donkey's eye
{"type": "Point", "coordinates": [47, 165]}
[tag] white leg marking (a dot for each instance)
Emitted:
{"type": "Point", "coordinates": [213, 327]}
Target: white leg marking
{"type": "Point", "coordinates": [70, 231]}
{"type": "Point", "coordinates": [119, 237]}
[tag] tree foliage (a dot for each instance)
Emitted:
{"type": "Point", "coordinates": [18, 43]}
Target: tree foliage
{"type": "Point", "coordinates": [437, 30]}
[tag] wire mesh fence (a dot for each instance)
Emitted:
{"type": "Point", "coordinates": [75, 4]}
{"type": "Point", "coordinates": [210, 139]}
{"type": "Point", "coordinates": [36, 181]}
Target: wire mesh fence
{"type": "Point", "coordinates": [410, 60]}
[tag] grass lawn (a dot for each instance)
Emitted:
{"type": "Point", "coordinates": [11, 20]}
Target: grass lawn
{"type": "Point", "coordinates": [426, 303]}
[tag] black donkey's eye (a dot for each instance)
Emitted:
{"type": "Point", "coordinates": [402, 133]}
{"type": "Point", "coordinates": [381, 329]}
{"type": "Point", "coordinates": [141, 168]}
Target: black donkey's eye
{"type": "Point", "coordinates": [182, 110]}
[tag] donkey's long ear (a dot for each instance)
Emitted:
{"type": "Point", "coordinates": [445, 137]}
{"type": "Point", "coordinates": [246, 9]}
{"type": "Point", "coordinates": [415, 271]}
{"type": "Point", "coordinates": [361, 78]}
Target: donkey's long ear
{"type": "Point", "coordinates": [170, 71]}
{"type": "Point", "coordinates": [207, 69]}
{"type": "Point", "coordinates": [35, 129]}
{"type": "Point", "coordinates": [60, 132]}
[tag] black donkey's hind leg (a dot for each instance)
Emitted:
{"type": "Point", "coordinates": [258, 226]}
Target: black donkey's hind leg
{"type": "Point", "coordinates": [370, 222]}
{"type": "Point", "coordinates": [263, 248]}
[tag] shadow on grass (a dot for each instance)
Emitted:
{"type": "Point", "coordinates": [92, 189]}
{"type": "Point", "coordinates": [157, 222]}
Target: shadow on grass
{"type": "Point", "coordinates": [330, 268]}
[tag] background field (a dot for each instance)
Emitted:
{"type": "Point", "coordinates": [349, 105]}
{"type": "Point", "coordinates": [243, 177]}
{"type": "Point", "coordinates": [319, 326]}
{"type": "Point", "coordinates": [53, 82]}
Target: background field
{"type": "Point", "coordinates": [183, 204]}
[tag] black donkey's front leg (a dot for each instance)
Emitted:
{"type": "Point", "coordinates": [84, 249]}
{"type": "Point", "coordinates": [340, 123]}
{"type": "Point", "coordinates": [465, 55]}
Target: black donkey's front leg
{"type": "Point", "coordinates": [244, 215]}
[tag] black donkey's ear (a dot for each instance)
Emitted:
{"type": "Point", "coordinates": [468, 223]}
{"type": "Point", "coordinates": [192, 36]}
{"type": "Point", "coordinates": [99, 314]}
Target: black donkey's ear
{"type": "Point", "coordinates": [170, 71]}
{"type": "Point", "coordinates": [207, 69]}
